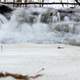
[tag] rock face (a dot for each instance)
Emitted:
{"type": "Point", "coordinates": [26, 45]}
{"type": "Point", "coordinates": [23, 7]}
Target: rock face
{"type": "Point", "coordinates": [5, 9]}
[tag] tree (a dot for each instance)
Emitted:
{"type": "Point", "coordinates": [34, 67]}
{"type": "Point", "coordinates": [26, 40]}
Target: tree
{"type": "Point", "coordinates": [18, 0]}
{"type": "Point", "coordinates": [4, 0]}
{"type": "Point", "coordinates": [42, 2]}
{"type": "Point", "coordinates": [78, 1]}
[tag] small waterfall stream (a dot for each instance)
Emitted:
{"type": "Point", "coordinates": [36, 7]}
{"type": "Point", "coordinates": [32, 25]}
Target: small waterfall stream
{"type": "Point", "coordinates": [40, 25]}
{"type": "Point", "coordinates": [3, 20]}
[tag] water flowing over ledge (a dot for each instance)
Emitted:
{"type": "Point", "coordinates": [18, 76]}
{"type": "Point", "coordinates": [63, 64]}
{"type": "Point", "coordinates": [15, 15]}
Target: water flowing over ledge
{"type": "Point", "coordinates": [40, 25]}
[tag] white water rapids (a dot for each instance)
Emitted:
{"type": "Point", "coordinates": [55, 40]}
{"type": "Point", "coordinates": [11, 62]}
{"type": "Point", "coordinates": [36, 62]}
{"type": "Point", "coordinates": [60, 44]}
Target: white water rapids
{"type": "Point", "coordinates": [40, 25]}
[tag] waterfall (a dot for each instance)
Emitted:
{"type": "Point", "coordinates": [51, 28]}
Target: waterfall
{"type": "Point", "coordinates": [39, 26]}
{"type": "Point", "coordinates": [3, 20]}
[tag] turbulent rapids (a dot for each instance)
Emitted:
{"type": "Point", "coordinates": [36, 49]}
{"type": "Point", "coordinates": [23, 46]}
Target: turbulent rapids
{"type": "Point", "coordinates": [40, 25]}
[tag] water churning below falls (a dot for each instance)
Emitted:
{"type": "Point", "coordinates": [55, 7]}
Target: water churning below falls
{"type": "Point", "coordinates": [40, 25]}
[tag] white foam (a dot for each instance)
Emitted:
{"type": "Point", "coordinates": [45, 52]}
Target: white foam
{"type": "Point", "coordinates": [19, 29]}
{"type": "Point", "coordinates": [3, 20]}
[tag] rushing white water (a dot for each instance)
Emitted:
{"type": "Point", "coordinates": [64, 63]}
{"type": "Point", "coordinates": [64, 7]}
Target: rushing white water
{"type": "Point", "coordinates": [3, 20]}
{"type": "Point", "coordinates": [40, 26]}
